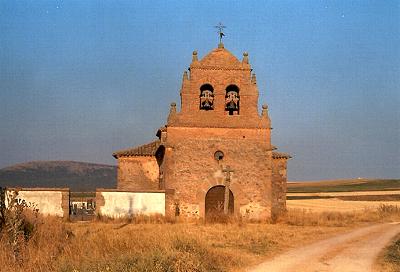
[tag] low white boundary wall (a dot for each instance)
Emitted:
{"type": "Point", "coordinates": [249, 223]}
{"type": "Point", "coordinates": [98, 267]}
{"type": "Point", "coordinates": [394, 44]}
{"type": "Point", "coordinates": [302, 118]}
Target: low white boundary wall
{"type": "Point", "coordinates": [48, 201]}
{"type": "Point", "coordinates": [122, 204]}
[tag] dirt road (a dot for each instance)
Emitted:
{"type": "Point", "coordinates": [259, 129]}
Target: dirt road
{"type": "Point", "coordinates": [355, 251]}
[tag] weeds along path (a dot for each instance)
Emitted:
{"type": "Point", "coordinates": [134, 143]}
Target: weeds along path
{"type": "Point", "coordinates": [355, 251]}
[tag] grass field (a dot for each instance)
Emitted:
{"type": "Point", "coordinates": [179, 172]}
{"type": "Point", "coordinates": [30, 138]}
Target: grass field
{"type": "Point", "coordinates": [348, 185]}
{"type": "Point", "coordinates": [337, 205]}
{"type": "Point", "coordinates": [55, 245]}
{"type": "Point", "coordinates": [97, 246]}
{"type": "Point", "coordinates": [343, 195]}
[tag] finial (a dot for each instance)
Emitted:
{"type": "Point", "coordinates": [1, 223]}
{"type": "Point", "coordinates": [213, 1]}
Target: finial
{"type": "Point", "coordinates": [264, 111]}
{"type": "Point", "coordinates": [253, 78]}
{"type": "Point", "coordinates": [194, 56]}
{"type": "Point", "coordinates": [172, 112]}
{"type": "Point", "coordinates": [220, 32]}
{"type": "Point", "coordinates": [185, 75]}
{"type": "Point", "coordinates": [245, 57]}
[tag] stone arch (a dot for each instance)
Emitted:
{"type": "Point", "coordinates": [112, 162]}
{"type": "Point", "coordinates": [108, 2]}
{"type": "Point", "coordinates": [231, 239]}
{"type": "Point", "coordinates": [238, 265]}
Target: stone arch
{"type": "Point", "coordinates": [206, 186]}
{"type": "Point", "coordinates": [214, 200]}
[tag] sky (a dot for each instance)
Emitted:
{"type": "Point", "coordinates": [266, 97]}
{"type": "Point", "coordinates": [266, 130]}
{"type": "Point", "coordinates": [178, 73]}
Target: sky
{"type": "Point", "coordinates": [82, 79]}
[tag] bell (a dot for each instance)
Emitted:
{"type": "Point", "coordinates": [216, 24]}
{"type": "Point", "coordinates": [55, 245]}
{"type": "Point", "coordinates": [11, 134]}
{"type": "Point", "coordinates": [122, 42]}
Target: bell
{"type": "Point", "coordinates": [231, 105]}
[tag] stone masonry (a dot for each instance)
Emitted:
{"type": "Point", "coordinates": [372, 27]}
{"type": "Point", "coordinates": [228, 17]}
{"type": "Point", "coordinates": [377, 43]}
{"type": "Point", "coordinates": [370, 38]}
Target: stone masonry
{"type": "Point", "coordinates": [219, 125]}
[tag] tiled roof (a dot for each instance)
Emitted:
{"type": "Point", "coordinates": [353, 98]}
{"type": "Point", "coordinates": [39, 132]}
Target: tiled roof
{"type": "Point", "coordinates": [279, 155]}
{"type": "Point", "coordinates": [142, 150]}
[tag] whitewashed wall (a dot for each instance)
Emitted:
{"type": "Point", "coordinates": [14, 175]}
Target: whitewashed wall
{"type": "Point", "coordinates": [48, 202]}
{"type": "Point", "coordinates": [122, 204]}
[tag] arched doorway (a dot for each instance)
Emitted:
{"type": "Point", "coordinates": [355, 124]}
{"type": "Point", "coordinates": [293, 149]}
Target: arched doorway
{"type": "Point", "coordinates": [215, 200]}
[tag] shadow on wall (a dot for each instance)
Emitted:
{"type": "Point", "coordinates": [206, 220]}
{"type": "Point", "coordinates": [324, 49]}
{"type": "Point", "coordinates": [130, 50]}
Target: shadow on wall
{"type": "Point", "coordinates": [135, 206]}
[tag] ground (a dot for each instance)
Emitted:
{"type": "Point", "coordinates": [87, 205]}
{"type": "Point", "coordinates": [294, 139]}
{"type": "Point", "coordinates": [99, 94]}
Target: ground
{"type": "Point", "coordinates": [326, 238]}
{"type": "Point", "coordinates": [350, 252]}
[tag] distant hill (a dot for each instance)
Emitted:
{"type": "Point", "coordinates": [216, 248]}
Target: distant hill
{"type": "Point", "coordinates": [78, 176]}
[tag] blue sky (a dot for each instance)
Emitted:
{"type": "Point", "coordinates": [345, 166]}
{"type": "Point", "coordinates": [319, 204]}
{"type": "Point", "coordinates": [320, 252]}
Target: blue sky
{"type": "Point", "coordinates": [81, 79]}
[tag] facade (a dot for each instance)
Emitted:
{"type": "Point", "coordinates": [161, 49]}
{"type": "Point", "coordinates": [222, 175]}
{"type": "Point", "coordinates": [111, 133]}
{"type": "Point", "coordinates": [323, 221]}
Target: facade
{"type": "Point", "coordinates": [219, 137]}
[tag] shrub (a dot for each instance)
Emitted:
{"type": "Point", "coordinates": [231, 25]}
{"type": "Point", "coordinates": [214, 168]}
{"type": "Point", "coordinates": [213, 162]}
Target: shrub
{"type": "Point", "coordinates": [18, 222]}
{"type": "Point", "coordinates": [386, 209]}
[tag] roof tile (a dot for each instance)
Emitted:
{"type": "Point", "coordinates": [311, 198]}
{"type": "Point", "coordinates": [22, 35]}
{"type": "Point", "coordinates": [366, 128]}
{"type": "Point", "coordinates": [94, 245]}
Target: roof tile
{"type": "Point", "coordinates": [142, 150]}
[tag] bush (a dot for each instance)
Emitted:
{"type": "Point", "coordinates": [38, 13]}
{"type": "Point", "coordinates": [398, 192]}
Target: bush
{"type": "Point", "coordinates": [18, 222]}
{"type": "Point", "coordinates": [386, 209]}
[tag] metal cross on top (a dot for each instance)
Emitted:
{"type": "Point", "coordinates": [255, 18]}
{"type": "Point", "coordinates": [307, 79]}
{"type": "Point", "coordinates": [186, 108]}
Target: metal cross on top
{"type": "Point", "coordinates": [220, 27]}
{"type": "Point", "coordinates": [228, 172]}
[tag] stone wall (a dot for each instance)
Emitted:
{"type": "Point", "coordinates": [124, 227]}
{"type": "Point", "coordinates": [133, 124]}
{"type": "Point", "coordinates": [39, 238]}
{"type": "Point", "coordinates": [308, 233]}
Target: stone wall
{"type": "Point", "coordinates": [49, 201]}
{"type": "Point", "coordinates": [194, 134]}
{"type": "Point", "coordinates": [138, 173]}
{"type": "Point", "coordinates": [232, 123]}
{"type": "Point", "coordinates": [119, 203]}
{"type": "Point", "coordinates": [279, 187]}
{"type": "Point", "coordinates": [219, 69]}
{"type": "Point", "coordinates": [191, 168]}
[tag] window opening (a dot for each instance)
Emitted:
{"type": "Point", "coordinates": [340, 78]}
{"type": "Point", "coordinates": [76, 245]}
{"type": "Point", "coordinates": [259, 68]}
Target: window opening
{"type": "Point", "coordinates": [206, 97]}
{"type": "Point", "coordinates": [232, 100]}
{"type": "Point", "coordinates": [218, 155]}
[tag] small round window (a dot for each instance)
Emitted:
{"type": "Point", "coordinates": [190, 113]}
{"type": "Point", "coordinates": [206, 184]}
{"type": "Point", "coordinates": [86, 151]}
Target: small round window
{"type": "Point", "coordinates": [219, 155]}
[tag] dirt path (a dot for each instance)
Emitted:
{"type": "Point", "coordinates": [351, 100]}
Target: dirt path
{"type": "Point", "coordinates": [351, 252]}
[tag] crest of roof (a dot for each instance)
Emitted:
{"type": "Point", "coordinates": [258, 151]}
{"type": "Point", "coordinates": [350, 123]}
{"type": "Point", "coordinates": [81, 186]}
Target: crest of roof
{"type": "Point", "coordinates": [220, 57]}
{"type": "Point", "coordinates": [142, 150]}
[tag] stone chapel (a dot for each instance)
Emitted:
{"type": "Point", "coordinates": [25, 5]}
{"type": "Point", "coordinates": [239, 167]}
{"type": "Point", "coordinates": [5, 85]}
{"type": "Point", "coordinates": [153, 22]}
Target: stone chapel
{"type": "Point", "coordinates": [214, 154]}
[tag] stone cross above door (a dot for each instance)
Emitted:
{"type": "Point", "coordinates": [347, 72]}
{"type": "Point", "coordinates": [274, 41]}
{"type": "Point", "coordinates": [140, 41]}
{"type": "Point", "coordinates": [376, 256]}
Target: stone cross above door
{"type": "Point", "coordinates": [227, 170]}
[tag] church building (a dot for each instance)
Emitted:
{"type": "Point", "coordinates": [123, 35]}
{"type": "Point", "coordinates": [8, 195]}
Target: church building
{"type": "Point", "coordinates": [214, 154]}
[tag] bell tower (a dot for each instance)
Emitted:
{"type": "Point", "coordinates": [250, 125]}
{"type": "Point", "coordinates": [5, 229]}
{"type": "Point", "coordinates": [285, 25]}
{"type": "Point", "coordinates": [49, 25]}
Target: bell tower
{"type": "Point", "coordinates": [219, 126]}
{"type": "Point", "coordinates": [219, 91]}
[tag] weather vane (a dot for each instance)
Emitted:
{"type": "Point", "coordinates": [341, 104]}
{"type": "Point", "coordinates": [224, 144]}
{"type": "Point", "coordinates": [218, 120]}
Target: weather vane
{"type": "Point", "coordinates": [220, 27]}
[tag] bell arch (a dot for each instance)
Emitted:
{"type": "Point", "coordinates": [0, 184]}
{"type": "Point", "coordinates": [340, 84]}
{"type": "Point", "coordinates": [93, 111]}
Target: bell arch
{"type": "Point", "coordinates": [232, 99]}
{"type": "Point", "coordinates": [206, 97]}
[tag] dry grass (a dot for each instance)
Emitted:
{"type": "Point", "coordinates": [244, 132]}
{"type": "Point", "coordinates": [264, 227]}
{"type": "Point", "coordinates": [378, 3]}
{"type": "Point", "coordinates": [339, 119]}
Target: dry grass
{"type": "Point", "coordinates": [351, 193]}
{"type": "Point", "coordinates": [337, 205]}
{"type": "Point", "coordinates": [389, 259]}
{"type": "Point", "coordinates": [304, 217]}
{"type": "Point", "coordinates": [98, 246]}
{"type": "Point", "coordinates": [145, 244]}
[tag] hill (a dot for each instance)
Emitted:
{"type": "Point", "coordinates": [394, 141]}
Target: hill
{"type": "Point", "coordinates": [78, 176]}
{"type": "Point", "coordinates": [347, 185]}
